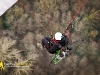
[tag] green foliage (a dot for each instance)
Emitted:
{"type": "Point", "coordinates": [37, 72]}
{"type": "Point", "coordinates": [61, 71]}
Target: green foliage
{"type": "Point", "coordinates": [5, 25]}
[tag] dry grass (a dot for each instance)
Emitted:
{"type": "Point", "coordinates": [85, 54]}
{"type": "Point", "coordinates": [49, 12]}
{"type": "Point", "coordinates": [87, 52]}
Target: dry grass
{"type": "Point", "coordinates": [6, 52]}
{"type": "Point", "coordinates": [28, 41]}
{"type": "Point", "coordinates": [76, 64]}
{"type": "Point", "coordinates": [47, 6]}
{"type": "Point", "coordinates": [21, 71]}
{"type": "Point", "coordinates": [93, 33]}
{"type": "Point", "coordinates": [18, 11]}
{"type": "Point", "coordinates": [83, 62]}
{"type": "Point", "coordinates": [23, 67]}
{"type": "Point", "coordinates": [38, 37]}
{"type": "Point", "coordinates": [25, 64]}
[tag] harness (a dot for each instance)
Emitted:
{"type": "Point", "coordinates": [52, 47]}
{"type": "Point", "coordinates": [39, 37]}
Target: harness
{"type": "Point", "coordinates": [53, 40]}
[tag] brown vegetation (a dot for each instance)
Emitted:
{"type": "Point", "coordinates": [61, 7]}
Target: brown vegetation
{"type": "Point", "coordinates": [21, 34]}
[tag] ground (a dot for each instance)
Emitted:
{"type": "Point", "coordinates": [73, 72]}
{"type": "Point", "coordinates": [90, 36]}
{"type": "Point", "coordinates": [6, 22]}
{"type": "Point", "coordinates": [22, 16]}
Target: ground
{"type": "Point", "coordinates": [22, 29]}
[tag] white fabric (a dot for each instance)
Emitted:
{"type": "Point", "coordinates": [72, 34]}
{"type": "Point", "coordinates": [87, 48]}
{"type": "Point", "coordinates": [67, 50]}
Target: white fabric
{"type": "Point", "coordinates": [64, 55]}
{"type": "Point", "coordinates": [5, 5]}
{"type": "Point", "coordinates": [58, 36]}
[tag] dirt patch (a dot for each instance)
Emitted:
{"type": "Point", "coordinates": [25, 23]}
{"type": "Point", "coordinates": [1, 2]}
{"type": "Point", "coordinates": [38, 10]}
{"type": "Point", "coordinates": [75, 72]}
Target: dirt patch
{"type": "Point", "coordinates": [83, 62]}
{"type": "Point", "coordinates": [28, 41]}
{"type": "Point", "coordinates": [38, 37]}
